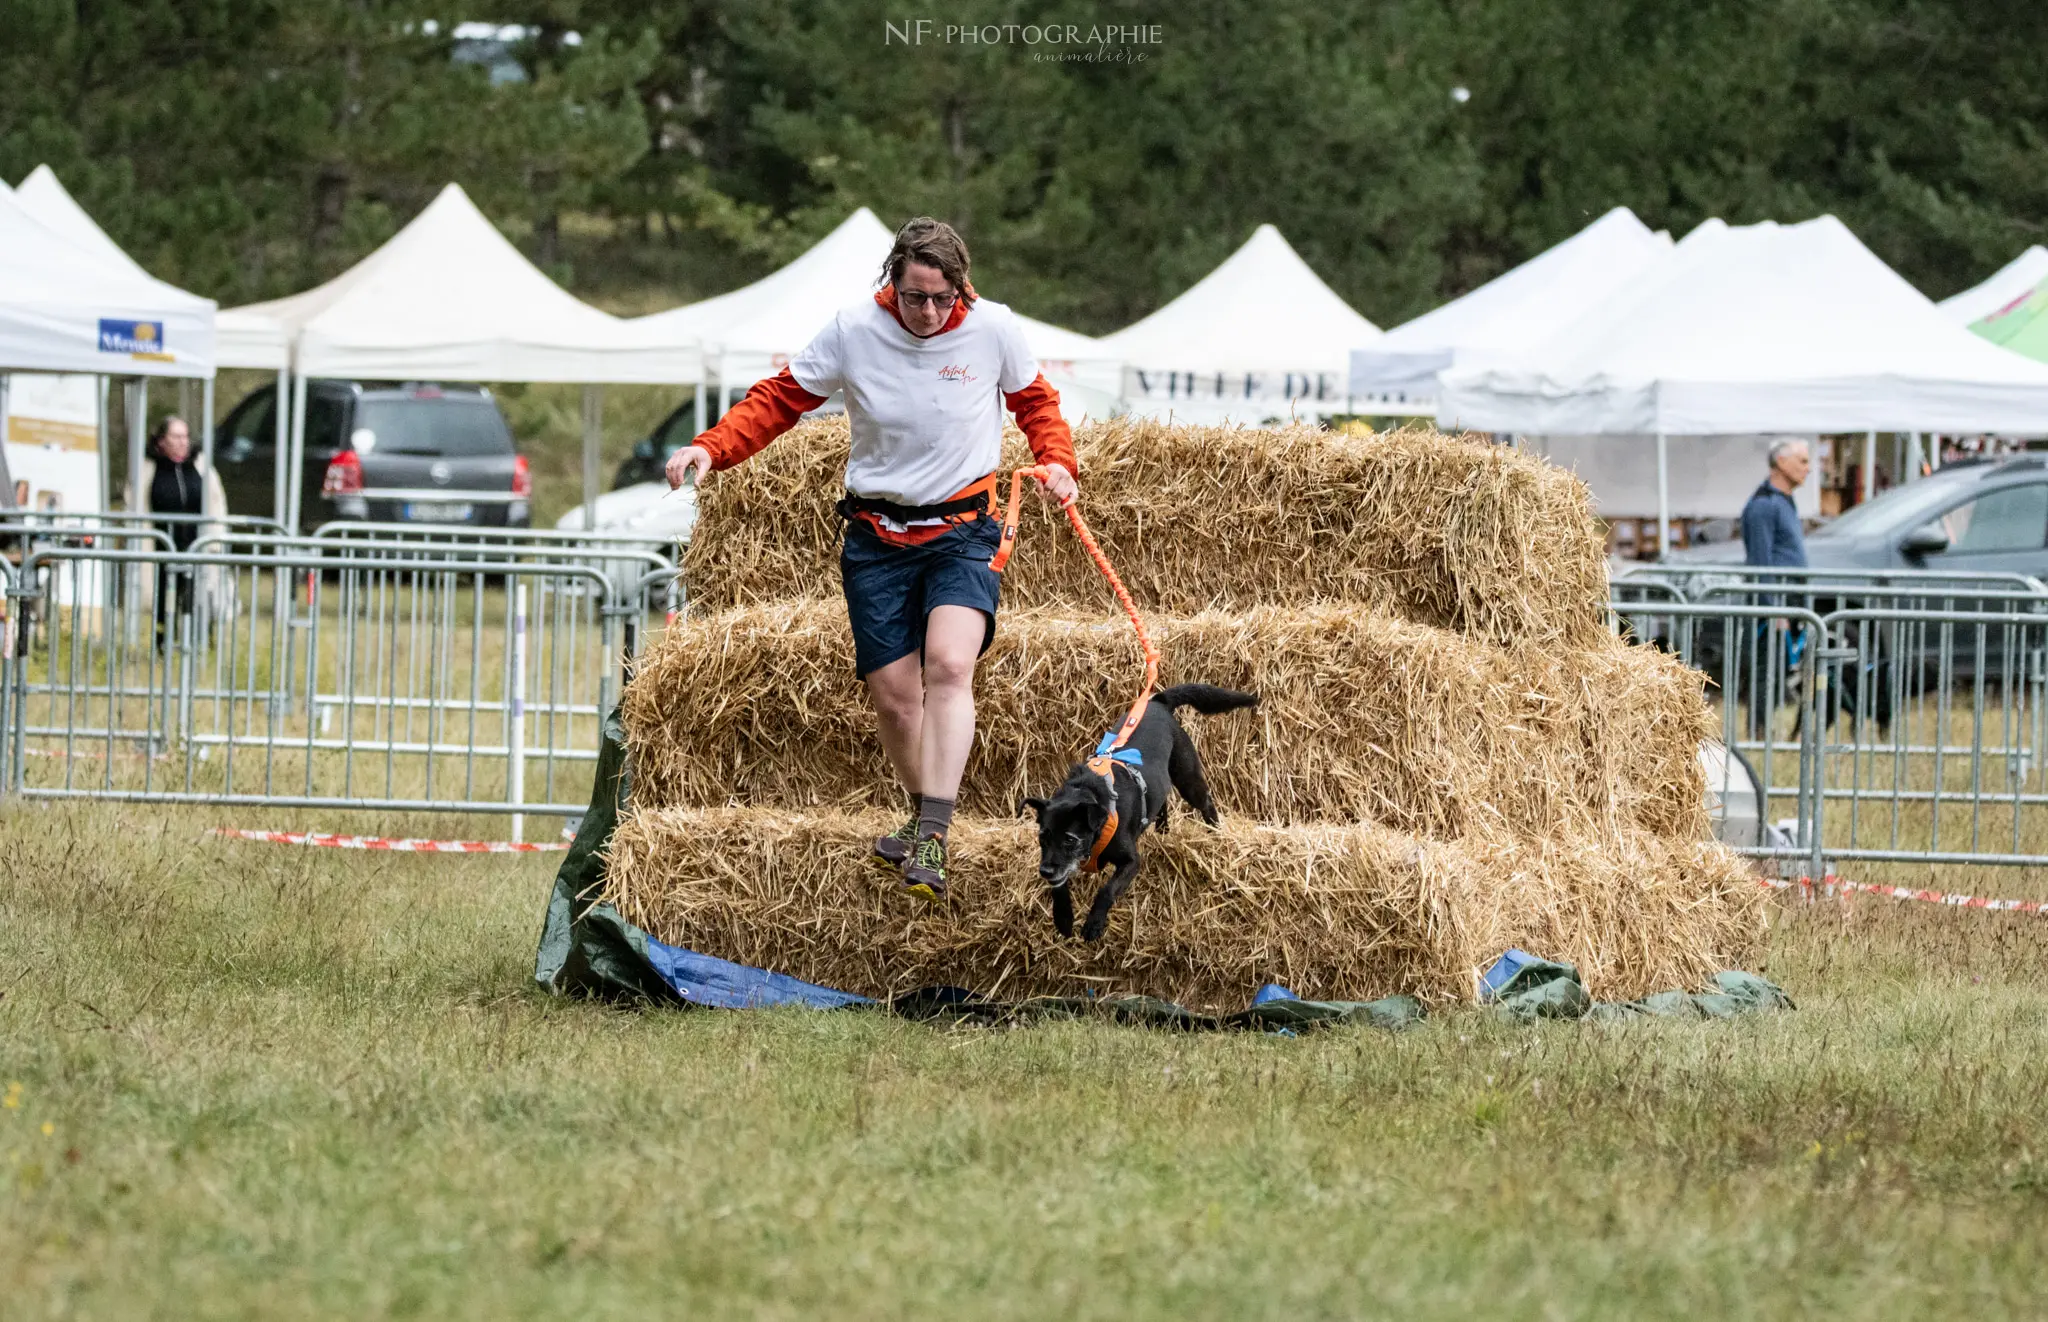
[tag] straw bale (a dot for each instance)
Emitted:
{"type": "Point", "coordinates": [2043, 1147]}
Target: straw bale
{"type": "Point", "coordinates": [1467, 536]}
{"type": "Point", "coordinates": [1363, 718]}
{"type": "Point", "coordinates": [1334, 912]}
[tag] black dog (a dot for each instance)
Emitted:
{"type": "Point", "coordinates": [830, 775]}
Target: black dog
{"type": "Point", "coordinates": [1072, 821]}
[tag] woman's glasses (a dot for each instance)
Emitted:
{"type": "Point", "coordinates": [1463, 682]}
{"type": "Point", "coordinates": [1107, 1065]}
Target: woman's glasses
{"type": "Point", "coordinates": [915, 299]}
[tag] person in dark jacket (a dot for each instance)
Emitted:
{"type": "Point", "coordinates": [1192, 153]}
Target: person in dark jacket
{"type": "Point", "coordinates": [1771, 533]}
{"type": "Point", "coordinates": [173, 483]}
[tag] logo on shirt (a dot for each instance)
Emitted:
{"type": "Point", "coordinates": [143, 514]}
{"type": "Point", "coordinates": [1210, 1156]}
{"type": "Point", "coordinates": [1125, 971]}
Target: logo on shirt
{"type": "Point", "coordinates": [959, 372]}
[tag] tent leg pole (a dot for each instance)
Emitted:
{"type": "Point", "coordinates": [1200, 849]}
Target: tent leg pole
{"type": "Point", "coordinates": [697, 406]}
{"type": "Point", "coordinates": [593, 426]}
{"type": "Point", "coordinates": [1869, 465]}
{"type": "Point", "coordinates": [138, 428]}
{"type": "Point", "coordinates": [104, 421]}
{"type": "Point", "coordinates": [1663, 497]}
{"type": "Point", "coordinates": [294, 472]}
{"type": "Point", "coordinates": [206, 421]}
{"type": "Point", "coordinates": [281, 444]}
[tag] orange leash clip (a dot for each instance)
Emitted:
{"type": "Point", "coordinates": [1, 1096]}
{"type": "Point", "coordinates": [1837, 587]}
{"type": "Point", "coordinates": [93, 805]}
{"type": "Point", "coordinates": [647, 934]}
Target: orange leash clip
{"type": "Point", "coordinates": [1123, 596]}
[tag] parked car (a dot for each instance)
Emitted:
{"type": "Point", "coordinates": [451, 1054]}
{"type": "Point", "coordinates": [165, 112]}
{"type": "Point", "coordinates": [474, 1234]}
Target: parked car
{"type": "Point", "coordinates": [649, 459]}
{"type": "Point", "coordinates": [1970, 517]}
{"type": "Point", "coordinates": [412, 453]}
{"type": "Point", "coordinates": [1973, 517]}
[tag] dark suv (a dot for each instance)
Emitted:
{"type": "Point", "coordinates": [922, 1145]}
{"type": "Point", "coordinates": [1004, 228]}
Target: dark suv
{"type": "Point", "coordinates": [649, 460]}
{"type": "Point", "coordinates": [384, 453]}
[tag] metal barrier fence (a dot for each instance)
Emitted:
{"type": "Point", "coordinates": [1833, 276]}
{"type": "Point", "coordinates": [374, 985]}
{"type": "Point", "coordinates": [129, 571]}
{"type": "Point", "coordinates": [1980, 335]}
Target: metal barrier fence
{"type": "Point", "coordinates": [1893, 717]}
{"type": "Point", "coordinates": [10, 610]}
{"type": "Point", "coordinates": [290, 673]}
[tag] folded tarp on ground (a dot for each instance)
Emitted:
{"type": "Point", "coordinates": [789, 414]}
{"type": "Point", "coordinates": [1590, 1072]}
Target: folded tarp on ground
{"type": "Point", "coordinates": [589, 949]}
{"type": "Point", "coordinates": [1543, 989]}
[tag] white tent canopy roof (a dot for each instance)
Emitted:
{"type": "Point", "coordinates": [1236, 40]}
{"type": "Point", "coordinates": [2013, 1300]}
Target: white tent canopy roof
{"type": "Point", "coordinates": [752, 331]}
{"type": "Point", "coordinates": [1758, 329]}
{"type": "Point", "coordinates": [240, 340]}
{"type": "Point", "coordinates": [1260, 330]}
{"type": "Point", "coordinates": [2015, 280]}
{"type": "Point", "coordinates": [449, 298]}
{"type": "Point", "coordinates": [67, 307]}
{"type": "Point", "coordinates": [42, 196]}
{"type": "Point", "coordinates": [1514, 312]}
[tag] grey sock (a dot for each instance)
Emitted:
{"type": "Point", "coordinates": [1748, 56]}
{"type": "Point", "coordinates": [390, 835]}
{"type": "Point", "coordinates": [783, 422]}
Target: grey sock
{"type": "Point", "coordinates": [934, 817]}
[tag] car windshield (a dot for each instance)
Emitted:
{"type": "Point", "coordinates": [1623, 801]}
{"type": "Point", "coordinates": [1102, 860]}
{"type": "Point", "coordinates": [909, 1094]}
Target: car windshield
{"type": "Point", "coordinates": [454, 426]}
{"type": "Point", "coordinates": [1901, 508]}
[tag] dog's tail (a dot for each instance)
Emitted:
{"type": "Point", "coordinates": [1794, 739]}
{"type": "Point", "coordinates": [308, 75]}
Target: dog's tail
{"type": "Point", "coordinates": [1205, 698]}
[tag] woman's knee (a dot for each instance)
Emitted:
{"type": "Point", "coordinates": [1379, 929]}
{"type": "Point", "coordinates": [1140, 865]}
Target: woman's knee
{"type": "Point", "coordinates": [950, 668]}
{"type": "Point", "coordinates": [897, 690]}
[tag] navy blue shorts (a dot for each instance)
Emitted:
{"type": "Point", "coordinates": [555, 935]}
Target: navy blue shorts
{"type": "Point", "coordinates": [891, 589]}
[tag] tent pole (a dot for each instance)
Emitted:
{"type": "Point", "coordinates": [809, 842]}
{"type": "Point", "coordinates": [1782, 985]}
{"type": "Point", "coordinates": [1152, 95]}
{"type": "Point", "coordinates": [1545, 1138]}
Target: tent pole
{"type": "Point", "coordinates": [281, 442]}
{"type": "Point", "coordinates": [593, 427]}
{"type": "Point", "coordinates": [294, 475]}
{"type": "Point", "coordinates": [703, 385]}
{"type": "Point", "coordinates": [103, 419]}
{"type": "Point", "coordinates": [138, 428]}
{"type": "Point", "coordinates": [206, 436]}
{"type": "Point", "coordinates": [1869, 465]}
{"type": "Point", "coordinates": [1663, 497]}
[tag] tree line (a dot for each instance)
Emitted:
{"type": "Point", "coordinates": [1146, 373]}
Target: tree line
{"type": "Point", "coordinates": [1410, 149]}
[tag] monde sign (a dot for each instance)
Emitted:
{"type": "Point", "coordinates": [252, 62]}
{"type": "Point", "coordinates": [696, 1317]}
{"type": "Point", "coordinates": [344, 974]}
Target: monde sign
{"type": "Point", "coordinates": [137, 339]}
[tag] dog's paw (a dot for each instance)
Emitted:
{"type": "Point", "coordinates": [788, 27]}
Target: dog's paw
{"type": "Point", "coordinates": [1096, 925]}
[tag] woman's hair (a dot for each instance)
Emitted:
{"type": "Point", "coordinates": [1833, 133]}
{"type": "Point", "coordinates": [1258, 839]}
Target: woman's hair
{"type": "Point", "coordinates": [933, 243]}
{"type": "Point", "coordinates": [155, 448]}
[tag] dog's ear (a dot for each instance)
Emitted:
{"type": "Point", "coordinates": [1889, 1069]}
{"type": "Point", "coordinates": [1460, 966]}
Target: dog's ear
{"type": "Point", "coordinates": [1036, 805]}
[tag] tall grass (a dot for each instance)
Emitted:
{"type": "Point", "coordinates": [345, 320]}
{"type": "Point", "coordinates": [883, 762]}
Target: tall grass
{"type": "Point", "coordinates": [284, 1083]}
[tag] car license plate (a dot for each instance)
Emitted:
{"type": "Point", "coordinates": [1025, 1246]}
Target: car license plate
{"type": "Point", "coordinates": [429, 512]}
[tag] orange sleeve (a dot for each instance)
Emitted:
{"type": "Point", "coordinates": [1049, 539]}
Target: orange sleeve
{"type": "Point", "coordinates": [771, 407]}
{"type": "Point", "coordinates": [1037, 407]}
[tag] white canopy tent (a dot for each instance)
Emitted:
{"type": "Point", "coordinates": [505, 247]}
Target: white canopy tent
{"type": "Point", "coordinates": [449, 298]}
{"type": "Point", "coordinates": [752, 332]}
{"type": "Point", "coordinates": [2015, 280]}
{"type": "Point", "coordinates": [1512, 313]}
{"type": "Point", "coordinates": [72, 302]}
{"type": "Point", "coordinates": [240, 339]}
{"type": "Point", "coordinates": [1762, 329]}
{"type": "Point", "coordinates": [1259, 335]}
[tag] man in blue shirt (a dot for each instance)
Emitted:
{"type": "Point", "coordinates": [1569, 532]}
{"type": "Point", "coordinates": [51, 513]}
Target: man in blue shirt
{"type": "Point", "coordinates": [1772, 537]}
{"type": "Point", "coordinates": [1770, 521]}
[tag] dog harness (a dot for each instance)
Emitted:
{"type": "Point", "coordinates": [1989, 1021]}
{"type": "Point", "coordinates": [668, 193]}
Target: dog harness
{"type": "Point", "coordinates": [1106, 759]}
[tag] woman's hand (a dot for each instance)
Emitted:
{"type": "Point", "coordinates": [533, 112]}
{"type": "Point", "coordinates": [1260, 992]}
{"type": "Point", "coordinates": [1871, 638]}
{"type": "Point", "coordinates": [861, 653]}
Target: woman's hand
{"type": "Point", "coordinates": [1058, 485]}
{"type": "Point", "coordinates": [693, 461]}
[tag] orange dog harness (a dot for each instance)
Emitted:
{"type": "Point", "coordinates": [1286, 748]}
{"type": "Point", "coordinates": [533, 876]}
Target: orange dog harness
{"type": "Point", "coordinates": [1111, 751]}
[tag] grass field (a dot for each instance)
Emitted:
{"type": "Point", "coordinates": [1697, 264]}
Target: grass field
{"type": "Point", "coordinates": [256, 1081]}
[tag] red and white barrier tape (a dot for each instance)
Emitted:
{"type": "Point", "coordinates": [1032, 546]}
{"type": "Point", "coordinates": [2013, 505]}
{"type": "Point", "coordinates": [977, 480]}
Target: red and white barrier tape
{"type": "Point", "coordinates": [399, 846]}
{"type": "Point", "coordinates": [1831, 884]}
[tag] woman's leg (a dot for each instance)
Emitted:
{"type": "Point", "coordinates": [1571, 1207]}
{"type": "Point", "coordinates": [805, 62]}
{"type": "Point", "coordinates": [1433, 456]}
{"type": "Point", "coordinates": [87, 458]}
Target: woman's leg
{"type": "Point", "coordinates": [897, 690]}
{"type": "Point", "coordinates": [952, 644]}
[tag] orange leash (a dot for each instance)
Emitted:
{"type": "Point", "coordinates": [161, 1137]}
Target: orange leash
{"type": "Point", "coordinates": [1123, 596]}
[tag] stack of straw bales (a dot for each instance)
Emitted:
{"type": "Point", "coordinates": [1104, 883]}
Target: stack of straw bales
{"type": "Point", "coordinates": [1454, 754]}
